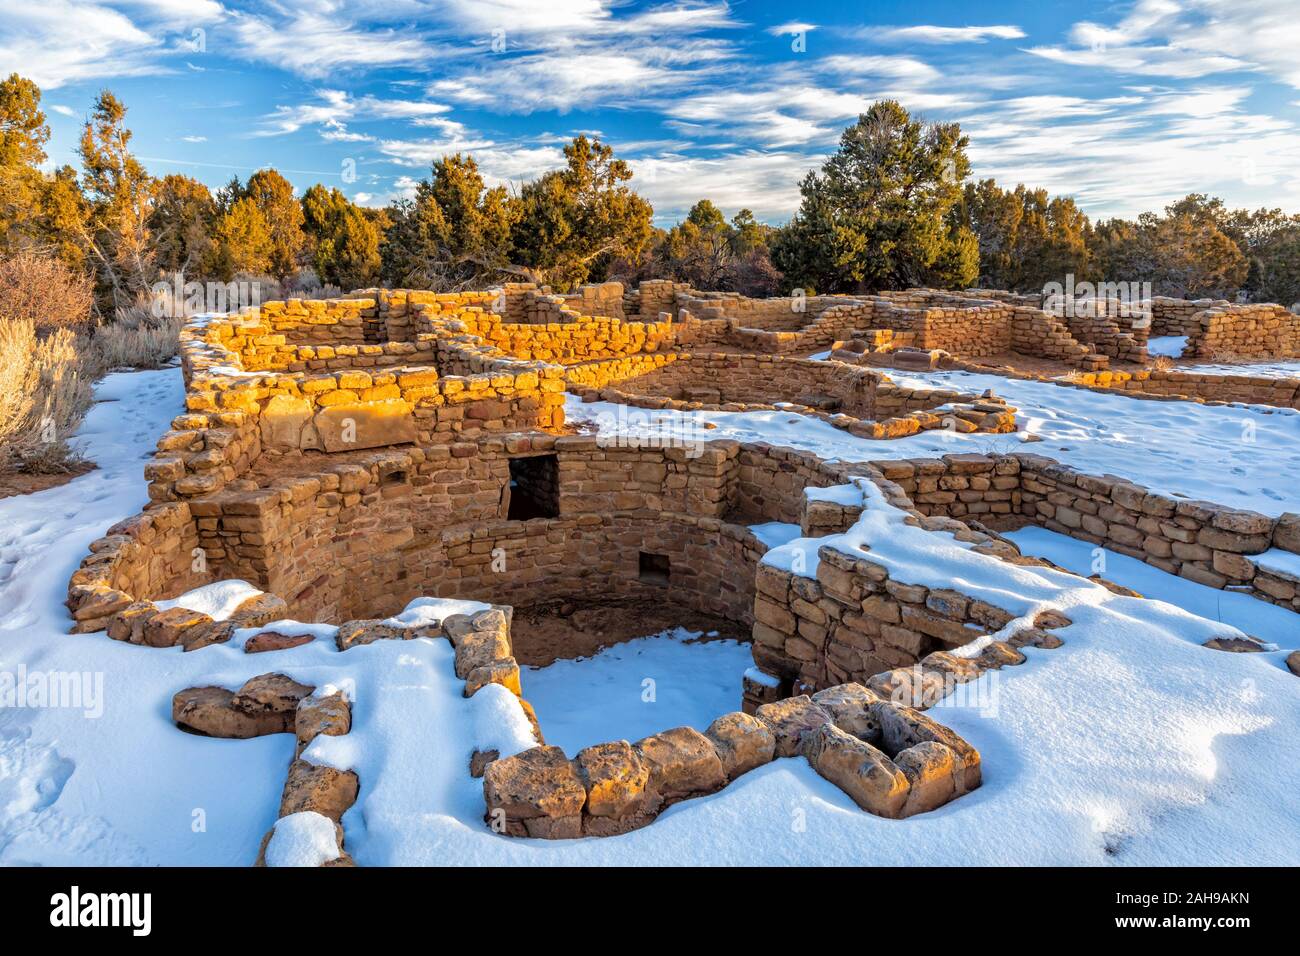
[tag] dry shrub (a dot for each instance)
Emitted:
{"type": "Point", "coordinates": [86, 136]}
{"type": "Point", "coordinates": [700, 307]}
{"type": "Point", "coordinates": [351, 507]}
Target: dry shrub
{"type": "Point", "coordinates": [44, 395]}
{"type": "Point", "coordinates": [1162, 363]}
{"type": "Point", "coordinates": [42, 290]}
{"type": "Point", "coordinates": [140, 336]}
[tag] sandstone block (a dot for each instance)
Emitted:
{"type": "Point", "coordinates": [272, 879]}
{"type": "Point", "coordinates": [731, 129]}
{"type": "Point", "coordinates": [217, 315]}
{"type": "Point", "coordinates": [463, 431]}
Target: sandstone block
{"type": "Point", "coordinates": [862, 771]}
{"type": "Point", "coordinates": [682, 763]}
{"type": "Point", "coordinates": [535, 793]}
{"type": "Point", "coordinates": [742, 742]}
{"type": "Point", "coordinates": [789, 719]}
{"type": "Point", "coordinates": [615, 778]}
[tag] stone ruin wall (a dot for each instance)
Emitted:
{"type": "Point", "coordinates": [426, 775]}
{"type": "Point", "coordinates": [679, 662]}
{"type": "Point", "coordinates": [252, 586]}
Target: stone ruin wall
{"type": "Point", "coordinates": [199, 482]}
{"type": "Point", "coordinates": [1245, 331]}
{"type": "Point", "coordinates": [1179, 316]}
{"type": "Point", "coordinates": [720, 379]}
{"type": "Point", "coordinates": [1247, 389]}
{"type": "Point", "coordinates": [859, 400]}
{"type": "Point", "coordinates": [1202, 541]}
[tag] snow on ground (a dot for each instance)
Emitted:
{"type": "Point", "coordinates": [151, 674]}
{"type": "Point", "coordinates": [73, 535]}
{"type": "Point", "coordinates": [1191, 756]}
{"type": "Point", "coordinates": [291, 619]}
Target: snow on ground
{"type": "Point", "coordinates": [1257, 618]}
{"type": "Point", "coordinates": [1260, 370]}
{"type": "Point", "coordinates": [1171, 345]}
{"type": "Point", "coordinates": [631, 690]}
{"type": "Point", "coordinates": [1236, 455]}
{"type": "Point", "coordinates": [1130, 744]}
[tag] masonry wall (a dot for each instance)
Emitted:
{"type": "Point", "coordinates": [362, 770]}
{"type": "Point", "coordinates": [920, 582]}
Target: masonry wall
{"type": "Point", "coordinates": [579, 340]}
{"type": "Point", "coordinates": [718, 378]}
{"type": "Point", "coordinates": [1245, 331]}
{"type": "Point", "coordinates": [1202, 541]}
{"type": "Point", "coordinates": [1179, 316]}
{"type": "Point", "coordinates": [1250, 389]}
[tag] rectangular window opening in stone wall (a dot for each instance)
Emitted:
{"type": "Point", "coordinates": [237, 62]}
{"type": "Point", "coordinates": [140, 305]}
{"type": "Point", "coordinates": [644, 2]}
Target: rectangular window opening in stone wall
{"type": "Point", "coordinates": [654, 569]}
{"type": "Point", "coordinates": [534, 488]}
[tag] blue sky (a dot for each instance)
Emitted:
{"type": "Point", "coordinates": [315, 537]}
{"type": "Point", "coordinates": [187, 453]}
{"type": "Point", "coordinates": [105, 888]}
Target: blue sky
{"type": "Point", "coordinates": [1125, 106]}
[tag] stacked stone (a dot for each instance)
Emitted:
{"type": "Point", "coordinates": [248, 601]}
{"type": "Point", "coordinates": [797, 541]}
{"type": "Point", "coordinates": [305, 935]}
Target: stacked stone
{"type": "Point", "coordinates": [1178, 316]}
{"type": "Point", "coordinates": [1035, 332]}
{"type": "Point", "coordinates": [1103, 334]}
{"type": "Point", "coordinates": [892, 760]}
{"type": "Point", "coordinates": [1248, 389]}
{"type": "Point", "coordinates": [1245, 331]}
{"type": "Point", "coordinates": [958, 486]}
{"type": "Point", "coordinates": [852, 621]}
{"type": "Point", "coordinates": [1199, 540]}
{"type": "Point", "coordinates": [576, 339]}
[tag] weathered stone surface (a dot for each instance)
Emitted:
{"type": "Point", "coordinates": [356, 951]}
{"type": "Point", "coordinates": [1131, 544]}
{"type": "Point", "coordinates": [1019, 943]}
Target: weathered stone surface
{"type": "Point", "coordinates": [165, 628]}
{"type": "Point", "coordinates": [902, 727]}
{"type": "Point", "coordinates": [270, 693]}
{"type": "Point", "coordinates": [282, 421]}
{"type": "Point", "coordinates": [205, 635]}
{"type": "Point", "coordinates": [862, 771]}
{"type": "Point", "coordinates": [330, 715]}
{"type": "Point", "coordinates": [849, 706]}
{"type": "Point", "coordinates": [1286, 535]}
{"type": "Point", "coordinates": [1236, 645]}
{"type": "Point", "coordinates": [365, 425]}
{"type": "Point", "coordinates": [932, 776]}
{"type": "Point", "coordinates": [260, 609]}
{"type": "Point", "coordinates": [208, 710]}
{"type": "Point", "coordinates": [503, 671]}
{"type": "Point", "coordinates": [128, 623]}
{"type": "Point", "coordinates": [788, 720]}
{"type": "Point", "coordinates": [480, 649]}
{"type": "Point", "coordinates": [273, 641]}
{"type": "Point", "coordinates": [742, 742]}
{"type": "Point", "coordinates": [479, 760]}
{"type": "Point", "coordinates": [615, 778]}
{"type": "Point", "coordinates": [1293, 662]}
{"type": "Point", "coordinates": [354, 633]}
{"type": "Point", "coordinates": [682, 763]}
{"type": "Point", "coordinates": [911, 686]}
{"type": "Point", "coordinates": [325, 790]}
{"type": "Point", "coordinates": [534, 793]}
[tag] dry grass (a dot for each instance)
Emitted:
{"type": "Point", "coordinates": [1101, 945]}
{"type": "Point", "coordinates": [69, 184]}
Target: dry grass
{"type": "Point", "coordinates": [44, 395]}
{"type": "Point", "coordinates": [138, 337]}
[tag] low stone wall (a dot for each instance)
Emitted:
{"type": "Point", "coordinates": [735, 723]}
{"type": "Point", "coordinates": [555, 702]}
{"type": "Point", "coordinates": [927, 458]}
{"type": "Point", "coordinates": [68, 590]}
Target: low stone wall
{"type": "Point", "coordinates": [851, 622]}
{"type": "Point", "coordinates": [582, 339]}
{"type": "Point", "coordinates": [721, 379]}
{"type": "Point", "coordinates": [1201, 541]}
{"type": "Point", "coordinates": [1246, 331]}
{"type": "Point", "coordinates": [1245, 388]}
{"type": "Point", "coordinates": [1178, 316]}
{"type": "Point", "coordinates": [343, 321]}
{"type": "Point", "coordinates": [835, 392]}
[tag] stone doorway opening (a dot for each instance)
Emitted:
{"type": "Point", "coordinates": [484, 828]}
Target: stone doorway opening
{"type": "Point", "coordinates": [534, 488]}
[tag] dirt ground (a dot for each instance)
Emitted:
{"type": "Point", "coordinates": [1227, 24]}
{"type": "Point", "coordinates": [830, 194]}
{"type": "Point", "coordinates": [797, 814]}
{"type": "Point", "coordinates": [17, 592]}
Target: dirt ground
{"type": "Point", "coordinates": [21, 483]}
{"type": "Point", "coordinates": [544, 633]}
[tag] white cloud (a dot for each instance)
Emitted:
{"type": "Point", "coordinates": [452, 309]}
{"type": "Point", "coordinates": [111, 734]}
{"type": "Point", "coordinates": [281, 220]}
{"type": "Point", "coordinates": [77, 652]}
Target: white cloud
{"type": "Point", "coordinates": [62, 110]}
{"type": "Point", "coordinates": [37, 44]}
{"type": "Point", "coordinates": [785, 29]}
{"type": "Point", "coordinates": [1190, 39]}
{"type": "Point", "coordinates": [895, 67]}
{"type": "Point", "coordinates": [334, 109]}
{"type": "Point", "coordinates": [319, 45]}
{"type": "Point", "coordinates": [194, 139]}
{"type": "Point", "coordinates": [935, 34]}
